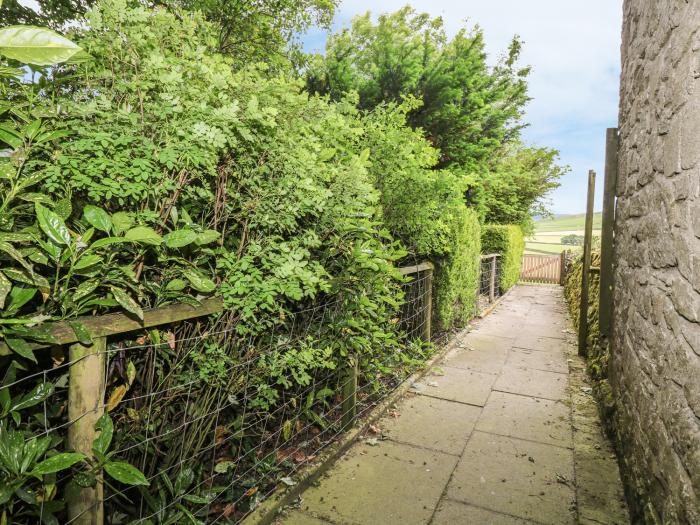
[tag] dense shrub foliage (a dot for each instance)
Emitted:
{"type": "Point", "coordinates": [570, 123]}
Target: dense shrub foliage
{"type": "Point", "coordinates": [425, 209]}
{"type": "Point", "coordinates": [178, 157]}
{"type": "Point", "coordinates": [508, 240]}
{"type": "Point", "coordinates": [471, 112]}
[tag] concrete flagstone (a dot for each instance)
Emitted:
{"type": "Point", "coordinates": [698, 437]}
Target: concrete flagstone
{"type": "Point", "coordinates": [502, 431]}
{"type": "Point", "coordinates": [532, 382]}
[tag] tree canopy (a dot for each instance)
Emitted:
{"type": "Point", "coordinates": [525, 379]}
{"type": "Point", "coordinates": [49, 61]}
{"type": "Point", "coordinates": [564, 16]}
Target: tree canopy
{"type": "Point", "coordinates": [249, 30]}
{"type": "Point", "coordinates": [471, 112]}
{"type": "Point", "coordinates": [468, 109]}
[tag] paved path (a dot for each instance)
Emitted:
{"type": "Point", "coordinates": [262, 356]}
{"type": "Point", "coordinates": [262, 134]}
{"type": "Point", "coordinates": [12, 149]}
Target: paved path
{"type": "Point", "coordinates": [504, 431]}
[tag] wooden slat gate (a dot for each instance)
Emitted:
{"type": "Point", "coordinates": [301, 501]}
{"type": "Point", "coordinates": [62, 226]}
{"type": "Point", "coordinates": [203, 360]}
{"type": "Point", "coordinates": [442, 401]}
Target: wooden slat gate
{"type": "Point", "coordinates": [545, 269]}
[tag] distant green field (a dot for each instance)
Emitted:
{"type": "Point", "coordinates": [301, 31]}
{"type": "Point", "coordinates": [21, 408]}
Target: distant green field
{"type": "Point", "coordinates": [548, 233]}
{"type": "Point", "coordinates": [568, 222]}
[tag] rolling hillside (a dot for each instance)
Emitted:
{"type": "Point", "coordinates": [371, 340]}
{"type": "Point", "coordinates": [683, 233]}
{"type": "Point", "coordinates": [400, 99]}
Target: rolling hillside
{"type": "Point", "coordinates": [548, 232]}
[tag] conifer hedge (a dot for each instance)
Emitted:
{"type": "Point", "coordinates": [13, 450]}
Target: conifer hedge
{"type": "Point", "coordinates": [508, 240]}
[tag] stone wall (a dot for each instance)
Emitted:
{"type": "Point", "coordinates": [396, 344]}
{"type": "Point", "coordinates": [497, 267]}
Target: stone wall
{"type": "Point", "coordinates": [655, 366]}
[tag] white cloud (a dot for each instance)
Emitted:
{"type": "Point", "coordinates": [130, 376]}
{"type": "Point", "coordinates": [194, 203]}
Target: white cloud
{"type": "Point", "coordinates": [574, 49]}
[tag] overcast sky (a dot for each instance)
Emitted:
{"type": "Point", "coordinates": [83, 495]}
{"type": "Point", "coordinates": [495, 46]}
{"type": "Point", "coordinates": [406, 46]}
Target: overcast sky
{"type": "Point", "coordinates": [574, 49]}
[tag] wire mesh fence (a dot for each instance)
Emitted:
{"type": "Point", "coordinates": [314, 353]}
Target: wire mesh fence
{"type": "Point", "coordinates": [489, 280]}
{"type": "Point", "coordinates": [196, 422]}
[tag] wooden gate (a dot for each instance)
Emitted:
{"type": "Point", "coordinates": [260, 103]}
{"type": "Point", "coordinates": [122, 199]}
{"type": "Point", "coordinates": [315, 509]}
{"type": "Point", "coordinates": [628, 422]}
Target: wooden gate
{"type": "Point", "coordinates": [544, 269]}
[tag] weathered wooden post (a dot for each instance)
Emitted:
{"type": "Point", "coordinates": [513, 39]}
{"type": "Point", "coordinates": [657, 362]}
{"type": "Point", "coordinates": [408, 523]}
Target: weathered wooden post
{"type": "Point", "coordinates": [86, 387]}
{"type": "Point", "coordinates": [492, 283]}
{"type": "Point", "coordinates": [428, 310]}
{"type": "Point", "coordinates": [585, 273]}
{"type": "Point", "coordinates": [349, 405]}
{"type": "Point", "coordinates": [607, 240]}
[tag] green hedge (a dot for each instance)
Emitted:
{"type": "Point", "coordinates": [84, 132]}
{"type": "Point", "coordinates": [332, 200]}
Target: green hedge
{"type": "Point", "coordinates": [457, 274]}
{"type": "Point", "coordinates": [508, 240]}
{"type": "Point", "coordinates": [424, 209]}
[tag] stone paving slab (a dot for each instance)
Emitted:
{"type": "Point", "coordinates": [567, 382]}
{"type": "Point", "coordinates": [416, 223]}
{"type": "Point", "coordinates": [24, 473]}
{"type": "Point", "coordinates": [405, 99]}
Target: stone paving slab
{"type": "Point", "coordinates": [419, 416]}
{"type": "Point", "coordinates": [521, 478]}
{"type": "Point", "coordinates": [483, 354]}
{"type": "Point", "coordinates": [527, 418]}
{"type": "Point", "coordinates": [299, 518]}
{"type": "Point", "coordinates": [507, 434]}
{"type": "Point", "coordinates": [390, 483]}
{"type": "Point", "coordinates": [540, 343]}
{"type": "Point", "coordinates": [536, 360]}
{"type": "Point", "coordinates": [457, 384]}
{"type": "Point", "coordinates": [455, 512]}
{"type": "Point", "coordinates": [532, 382]}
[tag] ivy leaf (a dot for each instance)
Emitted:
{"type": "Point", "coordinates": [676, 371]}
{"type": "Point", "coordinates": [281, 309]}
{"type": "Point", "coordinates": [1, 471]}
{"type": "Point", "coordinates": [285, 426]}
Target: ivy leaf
{"type": "Point", "coordinates": [100, 444]}
{"type": "Point", "coordinates": [122, 221]}
{"type": "Point", "coordinates": [175, 285]}
{"type": "Point", "coordinates": [37, 395]}
{"type": "Point", "coordinates": [10, 136]}
{"type": "Point", "coordinates": [84, 289]}
{"type": "Point", "coordinates": [179, 238]}
{"type": "Point", "coordinates": [57, 463]}
{"type": "Point", "coordinates": [127, 302]}
{"type": "Point", "coordinates": [87, 261]}
{"type": "Point", "coordinates": [98, 218]}
{"type": "Point", "coordinates": [35, 45]}
{"type": "Point", "coordinates": [81, 332]}
{"type": "Point", "coordinates": [52, 225]}
{"type": "Point", "coordinates": [5, 287]}
{"type": "Point", "coordinates": [21, 347]}
{"type": "Point", "coordinates": [207, 237]}
{"type": "Point", "coordinates": [198, 281]}
{"type": "Point", "coordinates": [143, 234]}
{"type": "Point", "coordinates": [126, 473]}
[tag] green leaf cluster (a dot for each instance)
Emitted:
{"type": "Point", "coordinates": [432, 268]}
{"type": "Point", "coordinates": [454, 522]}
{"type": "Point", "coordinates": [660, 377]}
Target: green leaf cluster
{"type": "Point", "coordinates": [509, 241]}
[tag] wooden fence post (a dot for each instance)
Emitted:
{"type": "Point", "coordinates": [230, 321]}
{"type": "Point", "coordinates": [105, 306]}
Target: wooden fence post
{"type": "Point", "coordinates": [349, 405]}
{"type": "Point", "coordinates": [585, 273]}
{"type": "Point", "coordinates": [492, 283]}
{"type": "Point", "coordinates": [428, 310]}
{"type": "Point", "coordinates": [605, 304]}
{"type": "Point", "coordinates": [86, 387]}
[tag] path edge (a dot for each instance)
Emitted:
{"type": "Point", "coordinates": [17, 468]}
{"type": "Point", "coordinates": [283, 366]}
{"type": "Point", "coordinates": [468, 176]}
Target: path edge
{"type": "Point", "coordinates": [269, 510]}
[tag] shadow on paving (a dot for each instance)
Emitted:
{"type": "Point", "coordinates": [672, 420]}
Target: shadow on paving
{"type": "Point", "coordinates": [503, 431]}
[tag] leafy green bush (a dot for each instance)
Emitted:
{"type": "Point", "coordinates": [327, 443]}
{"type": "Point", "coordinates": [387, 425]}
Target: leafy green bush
{"type": "Point", "coordinates": [508, 240]}
{"type": "Point", "coordinates": [424, 208]}
{"type": "Point", "coordinates": [156, 172]}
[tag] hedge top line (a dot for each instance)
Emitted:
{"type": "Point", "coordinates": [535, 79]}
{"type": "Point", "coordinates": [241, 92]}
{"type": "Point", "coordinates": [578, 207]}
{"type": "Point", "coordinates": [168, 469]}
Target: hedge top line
{"type": "Point", "coordinates": [118, 323]}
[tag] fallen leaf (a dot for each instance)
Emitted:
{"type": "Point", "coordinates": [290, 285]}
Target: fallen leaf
{"type": "Point", "coordinates": [288, 481]}
{"type": "Point", "coordinates": [372, 442]}
{"type": "Point", "coordinates": [374, 429]}
{"type": "Point", "coordinates": [116, 397]}
{"type": "Point", "coordinates": [220, 434]}
{"type": "Point", "coordinates": [170, 337]}
{"type": "Point", "coordinates": [229, 510]}
{"type": "Point", "coordinates": [252, 490]}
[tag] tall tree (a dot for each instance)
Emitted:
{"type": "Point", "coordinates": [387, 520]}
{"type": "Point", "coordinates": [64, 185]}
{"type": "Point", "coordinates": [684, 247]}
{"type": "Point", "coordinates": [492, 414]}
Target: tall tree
{"type": "Point", "coordinates": [250, 30]}
{"type": "Point", "coordinates": [469, 110]}
{"type": "Point", "coordinates": [515, 186]}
